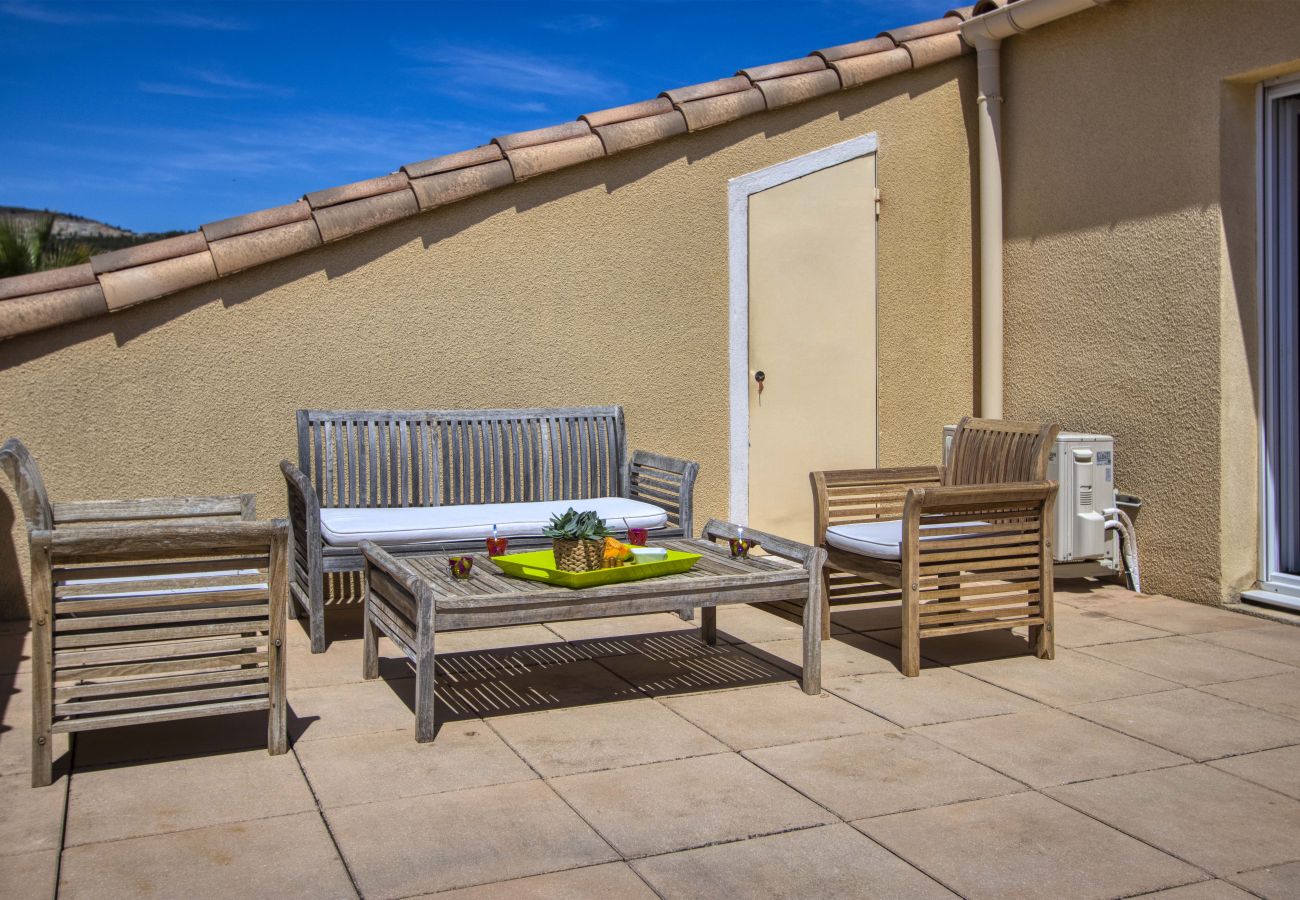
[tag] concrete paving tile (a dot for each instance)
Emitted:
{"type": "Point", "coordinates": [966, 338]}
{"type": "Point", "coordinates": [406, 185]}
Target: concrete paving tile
{"type": "Point", "coordinates": [878, 774]}
{"type": "Point", "coordinates": [1087, 628]}
{"type": "Point", "coordinates": [1181, 617]}
{"type": "Point", "coordinates": [612, 880]}
{"type": "Point", "coordinates": [769, 715]}
{"type": "Point", "coordinates": [964, 648]}
{"type": "Point", "coordinates": [340, 664]}
{"type": "Point", "coordinates": [32, 818]}
{"type": "Point", "coordinates": [1271, 641]}
{"type": "Point", "coordinates": [868, 616]}
{"type": "Point", "coordinates": [1276, 693]}
{"type": "Point", "coordinates": [744, 624]}
{"type": "Point", "coordinates": [397, 848]}
{"type": "Point", "coordinates": [476, 640]}
{"type": "Point", "coordinates": [1272, 882]}
{"type": "Point", "coordinates": [202, 737]}
{"type": "Point", "coordinates": [1207, 817]}
{"type": "Point", "coordinates": [622, 626]}
{"type": "Point", "coordinates": [1193, 723]}
{"type": "Point", "coordinates": [845, 654]}
{"type": "Point", "coordinates": [362, 768]}
{"type": "Point", "coordinates": [721, 668]}
{"type": "Point", "coordinates": [289, 856]}
{"type": "Point", "coordinates": [15, 650]}
{"type": "Point", "coordinates": [506, 692]}
{"type": "Point", "coordinates": [1073, 677]}
{"type": "Point", "coordinates": [1276, 769]}
{"type": "Point", "coordinates": [659, 645]}
{"type": "Point", "coordinates": [16, 728]}
{"type": "Point", "coordinates": [1188, 661]}
{"type": "Point", "coordinates": [605, 736]}
{"type": "Point", "coordinates": [830, 861]}
{"type": "Point", "coordinates": [30, 876]}
{"type": "Point", "coordinates": [1204, 890]}
{"type": "Point", "coordinates": [938, 695]}
{"type": "Point", "coordinates": [1025, 846]}
{"type": "Point", "coordinates": [173, 795]}
{"type": "Point", "coordinates": [1046, 747]}
{"type": "Point", "coordinates": [661, 807]}
{"type": "Point", "coordinates": [361, 708]}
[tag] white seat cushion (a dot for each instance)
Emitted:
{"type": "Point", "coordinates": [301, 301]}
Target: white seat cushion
{"type": "Point", "coordinates": [474, 521]}
{"type": "Point", "coordinates": [880, 540]}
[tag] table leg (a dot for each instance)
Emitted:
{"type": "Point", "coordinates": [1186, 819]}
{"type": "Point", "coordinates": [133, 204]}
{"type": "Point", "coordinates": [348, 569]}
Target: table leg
{"type": "Point", "coordinates": [709, 624]}
{"type": "Point", "coordinates": [369, 646]}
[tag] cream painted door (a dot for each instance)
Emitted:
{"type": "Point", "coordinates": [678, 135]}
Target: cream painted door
{"type": "Point", "coordinates": [812, 335]}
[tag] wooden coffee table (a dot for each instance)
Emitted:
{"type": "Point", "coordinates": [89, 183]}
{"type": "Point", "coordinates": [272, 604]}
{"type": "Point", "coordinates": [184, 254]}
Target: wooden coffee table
{"type": "Point", "coordinates": [411, 598]}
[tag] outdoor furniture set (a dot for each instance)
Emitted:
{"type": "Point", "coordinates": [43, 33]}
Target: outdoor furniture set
{"type": "Point", "coordinates": [152, 610]}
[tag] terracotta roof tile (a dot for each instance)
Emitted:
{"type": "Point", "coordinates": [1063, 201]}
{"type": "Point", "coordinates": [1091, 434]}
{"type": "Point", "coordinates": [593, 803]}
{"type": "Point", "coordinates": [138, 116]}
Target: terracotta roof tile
{"type": "Point", "coordinates": [358, 190]}
{"type": "Point", "coordinates": [529, 162]}
{"type": "Point", "coordinates": [800, 66]}
{"type": "Point", "coordinates": [691, 92]}
{"type": "Point", "coordinates": [642, 110]}
{"type": "Point", "coordinates": [127, 287]}
{"type": "Point", "coordinates": [298, 211]}
{"type": "Point", "coordinates": [538, 136]}
{"type": "Point", "coordinates": [857, 48]}
{"type": "Point", "coordinates": [44, 282]}
{"type": "Point", "coordinates": [463, 160]}
{"type": "Point", "coordinates": [152, 270]}
{"type": "Point", "coordinates": [447, 187]}
{"type": "Point", "coordinates": [154, 251]}
{"type": "Point", "coordinates": [344, 219]}
{"type": "Point", "coordinates": [922, 29]}
{"type": "Point", "coordinates": [37, 311]}
{"type": "Point", "coordinates": [872, 67]}
{"type": "Point", "coordinates": [927, 51]}
{"type": "Point", "coordinates": [243, 251]}
{"type": "Point", "coordinates": [634, 133]}
{"type": "Point", "coordinates": [778, 92]}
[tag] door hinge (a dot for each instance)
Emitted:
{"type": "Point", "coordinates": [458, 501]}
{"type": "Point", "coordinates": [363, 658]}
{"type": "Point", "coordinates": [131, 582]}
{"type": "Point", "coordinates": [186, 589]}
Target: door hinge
{"type": "Point", "coordinates": [877, 203]}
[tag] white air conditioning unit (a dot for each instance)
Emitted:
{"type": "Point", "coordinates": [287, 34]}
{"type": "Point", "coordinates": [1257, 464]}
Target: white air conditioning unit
{"type": "Point", "coordinates": [1084, 467]}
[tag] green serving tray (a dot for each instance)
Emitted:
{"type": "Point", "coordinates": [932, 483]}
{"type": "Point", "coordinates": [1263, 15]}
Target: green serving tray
{"type": "Point", "coordinates": [539, 565]}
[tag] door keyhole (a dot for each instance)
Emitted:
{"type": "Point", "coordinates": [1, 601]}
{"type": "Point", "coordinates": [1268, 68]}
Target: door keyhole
{"type": "Point", "coordinates": [760, 377]}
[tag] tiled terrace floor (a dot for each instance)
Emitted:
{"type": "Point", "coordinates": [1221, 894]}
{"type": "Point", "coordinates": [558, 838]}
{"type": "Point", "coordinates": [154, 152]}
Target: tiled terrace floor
{"type": "Point", "coordinates": [1158, 754]}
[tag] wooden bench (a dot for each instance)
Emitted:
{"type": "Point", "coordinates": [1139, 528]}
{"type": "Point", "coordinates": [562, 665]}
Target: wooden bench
{"type": "Point", "coordinates": [387, 460]}
{"type": "Point", "coordinates": [150, 610]}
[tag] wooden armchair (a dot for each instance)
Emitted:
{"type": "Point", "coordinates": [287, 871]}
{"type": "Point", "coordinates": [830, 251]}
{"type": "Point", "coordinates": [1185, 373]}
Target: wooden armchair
{"type": "Point", "coordinates": [967, 546]}
{"type": "Point", "coordinates": [150, 610]}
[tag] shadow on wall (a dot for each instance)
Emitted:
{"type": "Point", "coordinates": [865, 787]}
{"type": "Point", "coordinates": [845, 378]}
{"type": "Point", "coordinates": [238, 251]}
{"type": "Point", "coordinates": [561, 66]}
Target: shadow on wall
{"type": "Point", "coordinates": [614, 173]}
{"type": "Point", "coordinates": [13, 578]}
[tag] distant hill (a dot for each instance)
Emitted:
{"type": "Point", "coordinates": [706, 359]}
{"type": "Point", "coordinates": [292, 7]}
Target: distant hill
{"type": "Point", "coordinates": [74, 230]}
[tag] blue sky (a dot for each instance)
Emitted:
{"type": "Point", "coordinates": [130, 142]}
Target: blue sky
{"type": "Point", "coordinates": [165, 116]}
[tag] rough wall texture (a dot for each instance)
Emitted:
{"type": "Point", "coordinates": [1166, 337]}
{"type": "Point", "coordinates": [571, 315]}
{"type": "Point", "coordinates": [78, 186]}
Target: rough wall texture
{"type": "Point", "coordinates": [1130, 260]}
{"type": "Point", "coordinates": [606, 283]}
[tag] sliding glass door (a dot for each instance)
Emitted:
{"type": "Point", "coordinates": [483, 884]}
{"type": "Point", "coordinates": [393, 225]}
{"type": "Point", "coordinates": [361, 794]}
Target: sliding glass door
{"type": "Point", "coordinates": [1280, 471]}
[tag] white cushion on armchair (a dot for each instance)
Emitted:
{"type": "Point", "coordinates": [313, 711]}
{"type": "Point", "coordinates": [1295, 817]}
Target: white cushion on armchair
{"type": "Point", "coordinates": [884, 539]}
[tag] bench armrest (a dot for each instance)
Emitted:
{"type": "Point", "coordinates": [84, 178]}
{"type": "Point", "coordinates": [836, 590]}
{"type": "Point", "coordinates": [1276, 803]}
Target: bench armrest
{"type": "Point", "coordinates": [155, 540]}
{"type": "Point", "coordinates": [304, 510]}
{"type": "Point", "coordinates": [171, 510]}
{"type": "Point", "coordinates": [843, 496]}
{"type": "Point", "coordinates": [666, 482]}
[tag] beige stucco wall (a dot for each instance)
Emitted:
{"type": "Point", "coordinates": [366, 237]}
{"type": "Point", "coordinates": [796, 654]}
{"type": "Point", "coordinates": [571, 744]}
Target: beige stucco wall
{"type": "Point", "coordinates": [602, 284]}
{"type": "Point", "coordinates": [1130, 260]}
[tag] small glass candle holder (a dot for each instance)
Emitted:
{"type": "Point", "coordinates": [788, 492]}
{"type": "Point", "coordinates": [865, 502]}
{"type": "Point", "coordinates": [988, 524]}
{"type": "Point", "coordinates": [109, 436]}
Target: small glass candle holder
{"type": "Point", "coordinates": [740, 547]}
{"type": "Point", "coordinates": [497, 546]}
{"type": "Point", "coordinates": [460, 566]}
{"type": "Point", "coordinates": [638, 536]}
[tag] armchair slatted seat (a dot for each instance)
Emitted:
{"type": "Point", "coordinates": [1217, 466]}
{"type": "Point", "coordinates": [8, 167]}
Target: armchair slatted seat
{"type": "Point", "coordinates": [968, 546]}
{"type": "Point", "coordinates": [150, 610]}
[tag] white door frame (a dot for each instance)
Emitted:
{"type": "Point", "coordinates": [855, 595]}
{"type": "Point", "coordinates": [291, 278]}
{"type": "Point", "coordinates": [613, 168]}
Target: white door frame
{"type": "Point", "coordinates": [739, 190]}
{"type": "Point", "coordinates": [1276, 587]}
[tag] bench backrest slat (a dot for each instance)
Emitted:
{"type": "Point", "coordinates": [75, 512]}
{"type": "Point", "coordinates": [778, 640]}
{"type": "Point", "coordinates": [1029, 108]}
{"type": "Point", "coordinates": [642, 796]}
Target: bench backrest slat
{"type": "Point", "coordinates": [377, 458]}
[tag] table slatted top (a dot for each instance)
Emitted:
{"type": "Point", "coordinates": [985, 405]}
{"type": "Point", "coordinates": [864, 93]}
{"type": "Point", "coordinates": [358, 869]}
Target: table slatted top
{"type": "Point", "coordinates": [717, 569]}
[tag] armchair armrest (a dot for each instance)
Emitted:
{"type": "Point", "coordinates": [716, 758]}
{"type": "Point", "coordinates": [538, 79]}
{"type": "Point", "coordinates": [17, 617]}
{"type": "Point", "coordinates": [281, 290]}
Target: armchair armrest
{"type": "Point", "coordinates": [843, 496]}
{"type": "Point", "coordinates": [980, 528]}
{"type": "Point", "coordinates": [304, 512]}
{"type": "Point", "coordinates": [811, 557]}
{"type": "Point", "coordinates": [171, 510]}
{"type": "Point", "coordinates": [666, 482]}
{"type": "Point", "coordinates": [154, 540]}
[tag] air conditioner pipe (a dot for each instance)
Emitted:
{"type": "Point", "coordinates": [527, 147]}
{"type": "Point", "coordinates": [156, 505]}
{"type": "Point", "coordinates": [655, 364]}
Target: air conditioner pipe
{"type": "Point", "coordinates": [1118, 521]}
{"type": "Point", "coordinates": [985, 32]}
